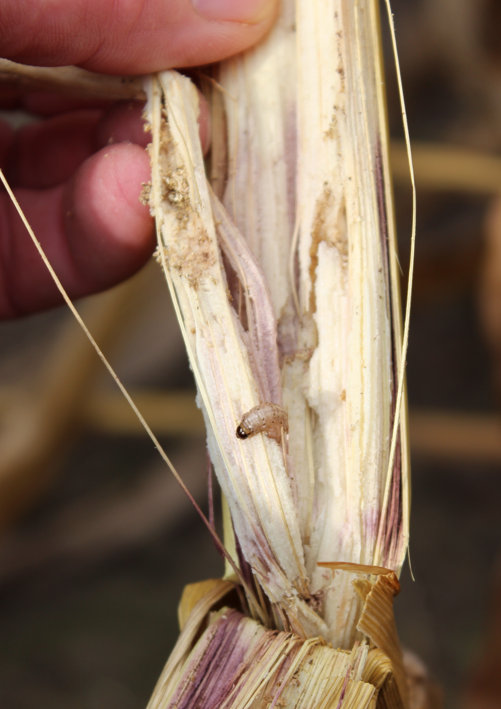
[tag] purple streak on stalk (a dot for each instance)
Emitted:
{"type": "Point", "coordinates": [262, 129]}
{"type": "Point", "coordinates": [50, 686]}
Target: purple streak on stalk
{"type": "Point", "coordinates": [213, 667]}
{"type": "Point", "coordinates": [261, 323]}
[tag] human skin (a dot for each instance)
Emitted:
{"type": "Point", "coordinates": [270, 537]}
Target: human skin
{"type": "Point", "coordinates": [79, 169]}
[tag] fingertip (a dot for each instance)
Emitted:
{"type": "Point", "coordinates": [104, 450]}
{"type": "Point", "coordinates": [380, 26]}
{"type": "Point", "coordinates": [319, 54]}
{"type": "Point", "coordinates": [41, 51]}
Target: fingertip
{"type": "Point", "coordinates": [123, 122]}
{"type": "Point", "coordinates": [110, 231]}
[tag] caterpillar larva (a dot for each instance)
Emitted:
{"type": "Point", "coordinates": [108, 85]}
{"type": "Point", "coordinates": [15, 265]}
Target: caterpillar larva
{"type": "Point", "coordinates": [266, 418]}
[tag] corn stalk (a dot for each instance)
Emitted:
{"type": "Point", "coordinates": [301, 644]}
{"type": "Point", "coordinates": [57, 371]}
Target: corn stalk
{"type": "Point", "coordinates": [282, 269]}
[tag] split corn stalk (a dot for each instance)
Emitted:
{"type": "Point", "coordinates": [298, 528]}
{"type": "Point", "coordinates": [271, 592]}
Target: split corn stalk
{"type": "Point", "coordinates": [282, 271]}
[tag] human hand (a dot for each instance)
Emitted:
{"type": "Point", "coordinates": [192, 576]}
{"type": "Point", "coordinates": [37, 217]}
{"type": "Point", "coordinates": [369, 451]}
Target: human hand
{"type": "Point", "coordinates": [78, 172]}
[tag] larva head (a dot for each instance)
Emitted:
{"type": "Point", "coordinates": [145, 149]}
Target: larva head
{"type": "Point", "coordinates": [241, 432]}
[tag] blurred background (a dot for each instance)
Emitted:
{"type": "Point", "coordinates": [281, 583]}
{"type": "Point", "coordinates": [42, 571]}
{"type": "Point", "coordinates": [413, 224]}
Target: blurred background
{"type": "Point", "coordinates": [97, 541]}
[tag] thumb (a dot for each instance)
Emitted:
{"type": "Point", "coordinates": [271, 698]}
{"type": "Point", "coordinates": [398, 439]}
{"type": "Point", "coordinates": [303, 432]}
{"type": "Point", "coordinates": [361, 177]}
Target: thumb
{"type": "Point", "coordinates": [130, 36]}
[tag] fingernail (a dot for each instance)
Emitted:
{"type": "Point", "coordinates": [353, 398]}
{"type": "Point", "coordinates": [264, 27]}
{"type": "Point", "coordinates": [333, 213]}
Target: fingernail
{"type": "Point", "coordinates": [251, 11]}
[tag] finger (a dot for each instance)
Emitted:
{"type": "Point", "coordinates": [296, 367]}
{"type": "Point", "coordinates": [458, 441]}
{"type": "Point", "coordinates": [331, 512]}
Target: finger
{"type": "Point", "coordinates": [130, 37]}
{"type": "Point", "coordinates": [46, 153]}
{"type": "Point", "coordinates": [124, 121]}
{"type": "Point", "coordinates": [93, 229]}
{"type": "Point", "coordinates": [9, 97]}
{"type": "Point", "coordinates": [6, 139]}
{"type": "Point", "coordinates": [44, 103]}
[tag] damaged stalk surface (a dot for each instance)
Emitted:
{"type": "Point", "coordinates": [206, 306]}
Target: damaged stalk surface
{"type": "Point", "coordinates": [282, 269]}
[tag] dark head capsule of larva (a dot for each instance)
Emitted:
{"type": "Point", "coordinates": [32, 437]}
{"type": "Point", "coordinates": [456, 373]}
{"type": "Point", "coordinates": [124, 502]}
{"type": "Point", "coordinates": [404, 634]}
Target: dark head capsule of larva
{"type": "Point", "coordinates": [267, 418]}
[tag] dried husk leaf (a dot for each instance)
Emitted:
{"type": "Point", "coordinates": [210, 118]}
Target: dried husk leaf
{"type": "Point", "coordinates": [238, 663]}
